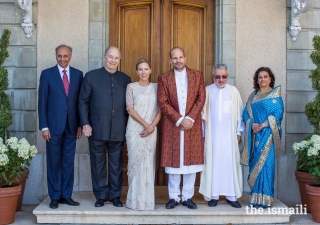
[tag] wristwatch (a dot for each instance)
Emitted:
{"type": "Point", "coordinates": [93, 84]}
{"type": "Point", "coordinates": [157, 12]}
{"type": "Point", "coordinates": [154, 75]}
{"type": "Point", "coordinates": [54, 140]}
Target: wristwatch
{"type": "Point", "coordinates": [263, 125]}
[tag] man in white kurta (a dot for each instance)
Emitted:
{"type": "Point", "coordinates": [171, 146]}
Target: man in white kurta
{"type": "Point", "coordinates": [222, 125]}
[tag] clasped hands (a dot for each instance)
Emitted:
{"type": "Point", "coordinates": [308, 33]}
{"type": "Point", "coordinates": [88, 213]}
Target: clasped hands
{"type": "Point", "coordinates": [186, 124]}
{"type": "Point", "coordinates": [148, 130]}
{"type": "Point", "coordinates": [256, 127]}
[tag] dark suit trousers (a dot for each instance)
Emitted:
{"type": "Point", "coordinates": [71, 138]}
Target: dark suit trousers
{"type": "Point", "coordinates": [107, 184]}
{"type": "Point", "coordinates": [60, 164]}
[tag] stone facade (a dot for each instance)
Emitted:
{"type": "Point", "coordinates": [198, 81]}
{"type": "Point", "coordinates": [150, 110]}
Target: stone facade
{"type": "Point", "coordinates": [248, 34]}
{"type": "Point", "coordinates": [299, 93]}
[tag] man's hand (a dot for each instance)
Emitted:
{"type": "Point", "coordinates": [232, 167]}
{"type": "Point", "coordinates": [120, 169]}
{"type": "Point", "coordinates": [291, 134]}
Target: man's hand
{"type": "Point", "coordinates": [239, 138]}
{"type": "Point", "coordinates": [79, 133]}
{"type": "Point", "coordinates": [46, 135]}
{"type": "Point", "coordinates": [87, 130]}
{"type": "Point", "coordinates": [186, 124]}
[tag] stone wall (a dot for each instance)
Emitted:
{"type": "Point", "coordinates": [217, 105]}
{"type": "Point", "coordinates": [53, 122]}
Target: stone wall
{"type": "Point", "coordinates": [299, 93]}
{"type": "Point", "coordinates": [260, 41]}
{"type": "Point", "coordinates": [22, 69]}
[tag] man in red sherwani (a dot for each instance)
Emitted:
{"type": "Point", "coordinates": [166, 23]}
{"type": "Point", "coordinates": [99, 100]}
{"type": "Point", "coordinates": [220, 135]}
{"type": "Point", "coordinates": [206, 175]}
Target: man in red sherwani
{"type": "Point", "coordinates": [181, 96]}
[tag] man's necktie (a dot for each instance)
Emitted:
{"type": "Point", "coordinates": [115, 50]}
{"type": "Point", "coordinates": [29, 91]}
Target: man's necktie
{"type": "Point", "coordinates": [65, 81]}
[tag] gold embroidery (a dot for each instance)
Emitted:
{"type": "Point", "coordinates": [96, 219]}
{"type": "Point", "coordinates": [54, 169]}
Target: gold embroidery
{"type": "Point", "coordinates": [249, 105]}
{"type": "Point", "coordinates": [275, 132]}
{"type": "Point", "coordinates": [262, 160]}
{"type": "Point", "coordinates": [244, 155]}
{"type": "Point", "coordinates": [260, 199]}
{"type": "Point", "coordinates": [257, 143]}
{"type": "Point", "coordinates": [274, 93]}
{"type": "Point", "coordinates": [274, 101]}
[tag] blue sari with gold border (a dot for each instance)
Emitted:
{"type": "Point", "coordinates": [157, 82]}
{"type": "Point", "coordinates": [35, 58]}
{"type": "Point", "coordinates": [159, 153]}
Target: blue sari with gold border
{"type": "Point", "coordinates": [260, 149]}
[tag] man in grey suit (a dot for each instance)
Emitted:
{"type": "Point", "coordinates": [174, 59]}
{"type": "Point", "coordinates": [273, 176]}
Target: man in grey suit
{"type": "Point", "coordinates": [103, 116]}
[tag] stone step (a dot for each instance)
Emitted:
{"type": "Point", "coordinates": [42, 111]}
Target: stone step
{"type": "Point", "coordinates": [223, 213]}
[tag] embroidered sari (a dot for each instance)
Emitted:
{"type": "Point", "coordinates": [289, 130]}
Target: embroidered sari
{"type": "Point", "coordinates": [260, 149]}
{"type": "Point", "coordinates": [141, 151]}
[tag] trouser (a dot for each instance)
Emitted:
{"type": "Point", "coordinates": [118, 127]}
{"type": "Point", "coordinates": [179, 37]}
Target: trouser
{"type": "Point", "coordinates": [230, 198]}
{"type": "Point", "coordinates": [60, 163]}
{"type": "Point", "coordinates": [106, 186]}
{"type": "Point", "coordinates": [187, 188]}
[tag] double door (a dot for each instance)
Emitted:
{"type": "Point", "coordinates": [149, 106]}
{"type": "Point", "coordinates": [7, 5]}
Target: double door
{"type": "Point", "coordinates": [149, 29]}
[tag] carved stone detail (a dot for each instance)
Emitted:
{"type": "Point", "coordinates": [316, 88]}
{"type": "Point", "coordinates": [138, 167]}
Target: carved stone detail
{"type": "Point", "coordinates": [26, 7]}
{"type": "Point", "coordinates": [297, 7]}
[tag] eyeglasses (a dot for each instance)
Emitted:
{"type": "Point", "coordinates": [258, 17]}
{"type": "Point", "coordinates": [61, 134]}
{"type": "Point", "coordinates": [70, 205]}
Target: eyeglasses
{"type": "Point", "coordinates": [221, 77]}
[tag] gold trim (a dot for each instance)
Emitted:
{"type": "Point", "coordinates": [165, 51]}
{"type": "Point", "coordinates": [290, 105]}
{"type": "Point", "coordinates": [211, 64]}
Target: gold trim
{"type": "Point", "coordinates": [244, 155]}
{"type": "Point", "coordinates": [262, 160]}
{"type": "Point", "coordinates": [249, 105]}
{"type": "Point", "coordinates": [260, 199]}
{"type": "Point", "coordinates": [274, 93]}
{"type": "Point", "coordinates": [275, 132]}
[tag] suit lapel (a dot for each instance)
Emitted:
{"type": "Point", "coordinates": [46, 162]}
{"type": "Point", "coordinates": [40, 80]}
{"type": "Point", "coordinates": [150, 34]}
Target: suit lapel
{"type": "Point", "coordinates": [72, 80]}
{"type": "Point", "coordinates": [57, 77]}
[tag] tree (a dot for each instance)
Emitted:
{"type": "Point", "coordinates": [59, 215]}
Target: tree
{"type": "Point", "coordinates": [5, 105]}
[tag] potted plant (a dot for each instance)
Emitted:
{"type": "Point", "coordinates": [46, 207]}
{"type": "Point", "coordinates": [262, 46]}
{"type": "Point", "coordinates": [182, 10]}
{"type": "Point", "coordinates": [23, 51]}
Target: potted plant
{"type": "Point", "coordinates": [308, 151]}
{"type": "Point", "coordinates": [14, 155]}
{"type": "Point", "coordinates": [302, 173]}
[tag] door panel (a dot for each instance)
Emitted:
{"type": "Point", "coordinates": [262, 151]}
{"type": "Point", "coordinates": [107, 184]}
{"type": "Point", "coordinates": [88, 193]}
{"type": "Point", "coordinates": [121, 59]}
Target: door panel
{"type": "Point", "coordinates": [149, 29]}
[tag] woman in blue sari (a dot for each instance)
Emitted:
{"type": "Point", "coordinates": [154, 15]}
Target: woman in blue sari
{"type": "Point", "coordinates": [262, 117]}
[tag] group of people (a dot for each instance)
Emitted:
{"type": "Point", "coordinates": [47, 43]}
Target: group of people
{"type": "Point", "coordinates": [201, 131]}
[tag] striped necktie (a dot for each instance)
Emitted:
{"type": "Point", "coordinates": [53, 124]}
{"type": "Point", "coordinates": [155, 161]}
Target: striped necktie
{"type": "Point", "coordinates": [65, 81]}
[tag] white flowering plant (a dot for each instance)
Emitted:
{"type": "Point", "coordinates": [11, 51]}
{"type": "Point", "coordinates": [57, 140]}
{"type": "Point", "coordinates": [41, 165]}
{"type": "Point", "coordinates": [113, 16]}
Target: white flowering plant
{"type": "Point", "coordinates": [308, 152]}
{"type": "Point", "coordinates": [15, 155]}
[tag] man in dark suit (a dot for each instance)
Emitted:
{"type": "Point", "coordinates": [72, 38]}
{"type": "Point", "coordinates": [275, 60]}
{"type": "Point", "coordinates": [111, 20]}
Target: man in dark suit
{"type": "Point", "coordinates": [59, 121]}
{"type": "Point", "coordinates": [103, 115]}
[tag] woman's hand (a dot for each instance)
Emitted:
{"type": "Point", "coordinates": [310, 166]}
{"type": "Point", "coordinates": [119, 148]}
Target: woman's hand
{"type": "Point", "coordinates": [256, 127]}
{"type": "Point", "coordinates": [144, 133]}
{"type": "Point", "coordinates": [149, 128]}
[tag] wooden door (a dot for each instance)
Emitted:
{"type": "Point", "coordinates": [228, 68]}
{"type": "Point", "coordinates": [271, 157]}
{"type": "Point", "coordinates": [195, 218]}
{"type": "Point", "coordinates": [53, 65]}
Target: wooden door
{"type": "Point", "coordinates": [149, 29]}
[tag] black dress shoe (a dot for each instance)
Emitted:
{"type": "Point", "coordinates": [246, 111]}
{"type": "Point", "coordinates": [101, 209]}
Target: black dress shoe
{"type": "Point", "coordinates": [190, 204]}
{"type": "Point", "coordinates": [171, 204]}
{"type": "Point", "coordinates": [54, 204]}
{"type": "Point", "coordinates": [116, 202]}
{"type": "Point", "coordinates": [68, 201]}
{"type": "Point", "coordinates": [212, 203]}
{"type": "Point", "coordinates": [234, 204]}
{"type": "Point", "coordinates": [99, 203]}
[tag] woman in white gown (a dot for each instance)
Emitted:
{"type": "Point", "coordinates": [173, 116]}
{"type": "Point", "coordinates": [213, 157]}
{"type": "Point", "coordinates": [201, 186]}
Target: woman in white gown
{"type": "Point", "coordinates": [141, 136]}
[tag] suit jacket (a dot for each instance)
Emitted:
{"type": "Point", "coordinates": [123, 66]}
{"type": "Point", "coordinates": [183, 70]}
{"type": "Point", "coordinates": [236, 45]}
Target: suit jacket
{"type": "Point", "coordinates": [54, 106]}
{"type": "Point", "coordinates": [168, 103]}
{"type": "Point", "coordinates": [102, 104]}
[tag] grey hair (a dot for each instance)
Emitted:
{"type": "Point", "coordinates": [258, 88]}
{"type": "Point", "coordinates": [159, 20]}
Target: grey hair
{"type": "Point", "coordinates": [219, 67]}
{"type": "Point", "coordinates": [60, 46]}
{"type": "Point", "coordinates": [108, 48]}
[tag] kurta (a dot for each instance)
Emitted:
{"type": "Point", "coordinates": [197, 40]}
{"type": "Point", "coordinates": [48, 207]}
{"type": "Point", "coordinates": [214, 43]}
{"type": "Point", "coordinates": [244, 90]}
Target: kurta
{"type": "Point", "coordinates": [169, 106]}
{"type": "Point", "coordinates": [141, 150]}
{"type": "Point", "coordinates": [182, 91]}
{"type": "Point", "coordinates": [222, 173]}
